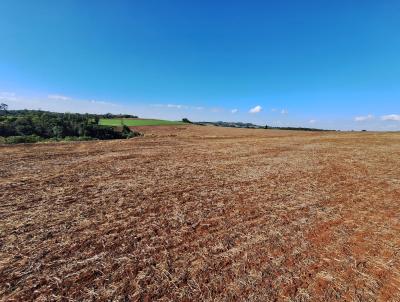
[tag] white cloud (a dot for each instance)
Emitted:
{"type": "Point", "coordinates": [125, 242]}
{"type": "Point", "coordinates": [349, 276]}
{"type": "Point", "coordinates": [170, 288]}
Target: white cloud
{"type": "Point", "coordinates": [364, 118]}
{"type": "Point", "coordinates": [284, 111]}
{"type": "Point", "coordinates": [274, 110]}
{"type": "Point", "coordinates": [256, 109]}
{"type": "Point", "coordinates": [58, 97]}
{"type": "Point", "coordinates": [58, 103]}
{"type": "Point", "coordinates": [312, 121]}
{"type": "Point", "coordinates": [391, 117]}
{"type": "Point", "coordinates": [7, 96]}
{"type": "Point", "coordinates": [103, 103]}
{"type": "Point", "coordinates": [176, 106]}
{"type": "Point", "coordinates": [234, 111]}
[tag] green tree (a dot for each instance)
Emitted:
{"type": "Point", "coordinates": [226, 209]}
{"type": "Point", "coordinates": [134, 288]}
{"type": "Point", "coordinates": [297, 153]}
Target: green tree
{"type": "Point", "coordinates": [3, 108]}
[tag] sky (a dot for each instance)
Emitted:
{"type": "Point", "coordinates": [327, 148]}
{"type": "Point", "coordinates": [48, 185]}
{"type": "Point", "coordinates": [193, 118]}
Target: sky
{"type": "Point", "coordinates": [322, 64]}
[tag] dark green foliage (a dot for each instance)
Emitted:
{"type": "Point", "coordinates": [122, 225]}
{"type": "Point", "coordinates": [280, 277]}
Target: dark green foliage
{"type": "Point", "coordinates": [128, 133]}
{"type": "Point", "coordinates": [3, 108]}
{"type": "Point", "coordinates": [110, 115]}
{"type": "Point", "coordinates": [23, 139]}
{"type": "Point", "coordinates": [185, 120]}
{"type": "Point", "coordinates": [78, 138]}
{"type": "Point", "coordinates": [34, 125]}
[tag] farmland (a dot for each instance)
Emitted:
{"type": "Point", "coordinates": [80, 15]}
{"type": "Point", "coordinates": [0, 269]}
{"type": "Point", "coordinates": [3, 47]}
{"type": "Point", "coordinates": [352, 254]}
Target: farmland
{"type": "Point", "coordinates": [203, 213]}
{"type": "Point", "coordinates": [136, 122]}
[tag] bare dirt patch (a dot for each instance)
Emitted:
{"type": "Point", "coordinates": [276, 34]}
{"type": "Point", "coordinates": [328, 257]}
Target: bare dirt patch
{"type": "Point", "coordinates": [203, 213]}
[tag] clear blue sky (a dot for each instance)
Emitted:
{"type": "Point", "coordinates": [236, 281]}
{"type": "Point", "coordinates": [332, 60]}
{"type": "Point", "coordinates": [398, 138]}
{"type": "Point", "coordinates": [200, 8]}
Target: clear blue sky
{"type": "Point", "coordinates": [332, 64]}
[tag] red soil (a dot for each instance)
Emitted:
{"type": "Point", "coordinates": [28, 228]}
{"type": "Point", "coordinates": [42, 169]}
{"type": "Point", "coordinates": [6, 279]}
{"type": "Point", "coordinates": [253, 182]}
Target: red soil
{"type": "Point", "coordinates": [203, 213]}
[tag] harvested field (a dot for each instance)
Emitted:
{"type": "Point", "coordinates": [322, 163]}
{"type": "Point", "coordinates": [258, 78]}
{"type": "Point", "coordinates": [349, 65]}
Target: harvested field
{"type": "Point", "coordinates": [203, 213]}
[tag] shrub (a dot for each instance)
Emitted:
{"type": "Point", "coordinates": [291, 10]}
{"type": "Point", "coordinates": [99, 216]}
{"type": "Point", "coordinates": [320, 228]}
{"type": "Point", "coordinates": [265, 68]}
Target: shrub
{"type": "Point", "coordinates": [20, 139]}
{"type": "Point", "coordinates": [78, 138]}
{"type": "Point", "coordinates": [133, 134]}
{"type": "Point", "coordinates": [128, 133]}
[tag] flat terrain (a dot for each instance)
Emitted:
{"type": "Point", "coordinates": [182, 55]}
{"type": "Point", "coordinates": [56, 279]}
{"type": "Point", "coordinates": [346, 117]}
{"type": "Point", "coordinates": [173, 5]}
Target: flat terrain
{"type": "Point", "coordinates": [202, 213]}
{"type": "Point", "coordinates": [136, 122]}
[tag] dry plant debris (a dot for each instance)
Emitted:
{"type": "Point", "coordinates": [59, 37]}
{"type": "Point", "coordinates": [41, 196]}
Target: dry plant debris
{"type": "Point", "coordinates": [192, 213]}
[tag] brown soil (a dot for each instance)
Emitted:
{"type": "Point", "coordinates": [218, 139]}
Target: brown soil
{"type": "Point", "coordinates": [202, 213]}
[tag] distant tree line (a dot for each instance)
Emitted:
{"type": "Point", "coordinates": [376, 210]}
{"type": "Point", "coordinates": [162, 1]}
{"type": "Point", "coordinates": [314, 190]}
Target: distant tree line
{"type": "Point", "coordinates": [18, 126]}
{"type": "Point", "coordinates": [253, 126]}
{"type": "Point", "coordinates": [230, 124]}
{"type": "Point", "coordinates": [295, 128]}
{"type": "Point", "coordinates": [110, 115]}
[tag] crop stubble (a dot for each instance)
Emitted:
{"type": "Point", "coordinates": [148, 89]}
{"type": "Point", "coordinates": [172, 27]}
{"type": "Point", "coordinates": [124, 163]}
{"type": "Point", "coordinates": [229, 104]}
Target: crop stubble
{"type": "Point", "coordinates": [203, 213]}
